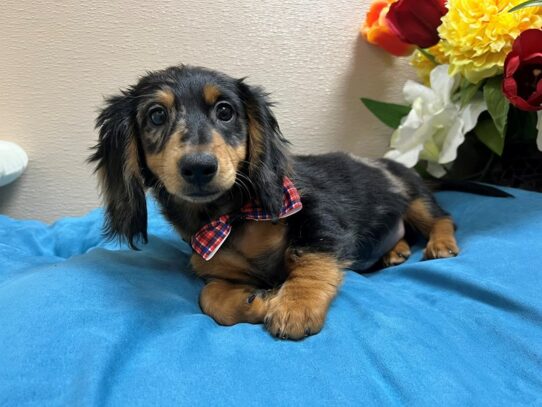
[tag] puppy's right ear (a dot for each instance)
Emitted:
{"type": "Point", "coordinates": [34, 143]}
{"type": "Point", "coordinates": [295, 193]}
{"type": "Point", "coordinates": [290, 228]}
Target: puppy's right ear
{"type": "Point", "coordinates": [119, 169]}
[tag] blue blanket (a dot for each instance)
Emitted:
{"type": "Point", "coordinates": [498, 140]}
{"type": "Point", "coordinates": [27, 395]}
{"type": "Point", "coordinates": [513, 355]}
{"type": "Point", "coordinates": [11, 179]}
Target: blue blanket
{"type": "Point", "coordinates": [86, 322]}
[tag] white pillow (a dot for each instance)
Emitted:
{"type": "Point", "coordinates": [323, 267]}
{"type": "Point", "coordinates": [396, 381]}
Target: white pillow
{"type": "Point", "coordinates": [13, 162]}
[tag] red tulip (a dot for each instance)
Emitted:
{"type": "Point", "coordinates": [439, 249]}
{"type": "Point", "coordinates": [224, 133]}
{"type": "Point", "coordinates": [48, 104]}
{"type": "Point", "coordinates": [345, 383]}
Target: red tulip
{"type": "Point", "coordinates": [416, 21]}
{"type": "Point", "coordinates": [376, 30]}
{"type": "Point", "coordinates": [522, 82]}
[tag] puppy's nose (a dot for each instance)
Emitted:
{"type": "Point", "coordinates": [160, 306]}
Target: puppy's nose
{"type": "Point", "coordinates": [198, 168]}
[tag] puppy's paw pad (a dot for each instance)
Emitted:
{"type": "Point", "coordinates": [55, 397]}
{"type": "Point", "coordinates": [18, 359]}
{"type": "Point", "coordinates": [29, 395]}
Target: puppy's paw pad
{"type": "Point", "coordinates": [259, 294]}
{"type": "Point", "coordinates": [440, 249]}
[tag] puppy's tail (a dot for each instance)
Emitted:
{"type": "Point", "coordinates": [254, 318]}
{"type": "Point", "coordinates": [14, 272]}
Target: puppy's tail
{"type": "Point", "coordinates": [470, 187]}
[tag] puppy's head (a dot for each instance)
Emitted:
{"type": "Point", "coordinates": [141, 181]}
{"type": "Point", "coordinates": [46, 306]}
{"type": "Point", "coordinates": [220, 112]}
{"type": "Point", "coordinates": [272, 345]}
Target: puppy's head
{"type": "Point", "coordinates": [194, 133]}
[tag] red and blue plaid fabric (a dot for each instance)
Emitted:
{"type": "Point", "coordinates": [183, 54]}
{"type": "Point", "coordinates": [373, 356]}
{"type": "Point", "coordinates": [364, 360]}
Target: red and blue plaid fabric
{"type": "Point", "coordinates": [209, 238]}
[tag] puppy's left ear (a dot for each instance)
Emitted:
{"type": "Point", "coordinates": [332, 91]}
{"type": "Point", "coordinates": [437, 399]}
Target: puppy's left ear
{"type": "Point", "coordinates": [268, 156]}
{"type": "Point", "coordinates": [118, 164]}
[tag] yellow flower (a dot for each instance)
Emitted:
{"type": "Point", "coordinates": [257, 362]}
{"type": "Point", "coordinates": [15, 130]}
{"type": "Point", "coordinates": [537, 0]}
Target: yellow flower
{"type": "Point", "coordinates": [478, 34]}
{"type": "Point", "coordinates": [424, 65]}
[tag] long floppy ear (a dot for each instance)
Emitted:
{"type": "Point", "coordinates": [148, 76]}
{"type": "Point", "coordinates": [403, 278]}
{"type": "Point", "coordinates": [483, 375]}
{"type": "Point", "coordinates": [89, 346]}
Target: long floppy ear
{"type": "Point", "coordinates": [119, 169]}
{"type": "Point", "coordinates": [267, 149]}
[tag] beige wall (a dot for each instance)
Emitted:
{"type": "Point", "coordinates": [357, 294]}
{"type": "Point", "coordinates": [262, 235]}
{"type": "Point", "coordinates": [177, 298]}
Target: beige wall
{"type": "Point", "coordinates": [58, 60]}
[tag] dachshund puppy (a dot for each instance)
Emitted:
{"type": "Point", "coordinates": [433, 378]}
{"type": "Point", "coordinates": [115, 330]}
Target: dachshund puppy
{"type": "Point", "coordinates": [271, 231]}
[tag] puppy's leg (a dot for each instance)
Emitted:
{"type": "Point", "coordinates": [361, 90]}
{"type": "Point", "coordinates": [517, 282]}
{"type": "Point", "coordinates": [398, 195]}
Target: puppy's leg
{"type": "Point", "coordinates": [300, 306]}
{"type": "Point", "coordinates": [231, 294]}
{"type": "Point", "coordinates": [398, 255]}
{"type": "Point", "coordinates": [442, 241]}
{"type": "Point", "coordinates": [226, 265]}
{"type": "Point", "coordinates": [230, 304]}
{"type": "Point", "coordinates": [427, 217]}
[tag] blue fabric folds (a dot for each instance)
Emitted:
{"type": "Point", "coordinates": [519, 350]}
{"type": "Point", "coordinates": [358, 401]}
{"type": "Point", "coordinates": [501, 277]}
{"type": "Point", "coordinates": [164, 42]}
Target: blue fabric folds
{"type": "Point", "coordinates": [86, 322]}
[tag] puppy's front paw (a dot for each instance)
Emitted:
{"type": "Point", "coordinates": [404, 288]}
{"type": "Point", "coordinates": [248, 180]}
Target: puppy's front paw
{"type": "Point", "coordinates": [398, 255]}
{"type": "Point", "coordinates": [288, 318]}
{"type": "Point", "coordinates": [440, 249]}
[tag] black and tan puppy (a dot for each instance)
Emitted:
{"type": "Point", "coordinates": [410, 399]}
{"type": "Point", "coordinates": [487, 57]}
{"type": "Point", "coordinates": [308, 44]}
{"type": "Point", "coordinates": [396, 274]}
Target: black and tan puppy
{"type": "Point", "coordinates": [209, 148]}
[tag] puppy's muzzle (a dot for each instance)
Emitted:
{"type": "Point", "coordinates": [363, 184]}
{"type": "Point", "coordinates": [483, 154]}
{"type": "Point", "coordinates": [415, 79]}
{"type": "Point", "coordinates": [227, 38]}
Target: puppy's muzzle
{"type": "Point", "coordinates": [198, 169]}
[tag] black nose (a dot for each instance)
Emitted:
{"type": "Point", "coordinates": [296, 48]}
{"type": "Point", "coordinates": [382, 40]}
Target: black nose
{"type": "Point", "coordinates": [199, 168]}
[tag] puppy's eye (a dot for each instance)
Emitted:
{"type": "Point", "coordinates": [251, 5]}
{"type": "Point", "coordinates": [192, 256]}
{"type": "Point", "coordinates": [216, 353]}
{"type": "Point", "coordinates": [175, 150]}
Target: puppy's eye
{"type": "Point", "coordinates": [158, 116]}
{"type": "Point", "coordinates": [224, 111]}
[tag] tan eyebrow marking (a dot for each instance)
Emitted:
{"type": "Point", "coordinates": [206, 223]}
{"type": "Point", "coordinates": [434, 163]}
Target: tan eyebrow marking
{"type": "Point", "coordinates": [211, 93]}
{"type": "Point", "coordinates": [165, 97]}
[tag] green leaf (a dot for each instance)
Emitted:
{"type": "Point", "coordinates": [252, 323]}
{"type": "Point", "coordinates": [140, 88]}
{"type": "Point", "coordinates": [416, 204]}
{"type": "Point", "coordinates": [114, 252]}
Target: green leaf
{"type": "Point", "coordinates": [421, 169]}
{"type": "Point", "coordinates": [530, 3]}
{"type": "Point", "coordinates": [428, 55]}
{"type": "Point", "coordinates": [522, 125]}
{"type": "Point", "coordinates": [467, 91]}
{"type": "Point", "coordinates": [488, 134]}
{"type": "Point", "coordinates": [529, 129]}
{"type": "Point", "coordinates": [497, 104]}
{"type": "Point", "coordinates": [388, 113]}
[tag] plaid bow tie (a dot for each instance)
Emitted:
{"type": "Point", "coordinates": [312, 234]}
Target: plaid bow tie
{"type": "Point", "coordinates": [209, 238]}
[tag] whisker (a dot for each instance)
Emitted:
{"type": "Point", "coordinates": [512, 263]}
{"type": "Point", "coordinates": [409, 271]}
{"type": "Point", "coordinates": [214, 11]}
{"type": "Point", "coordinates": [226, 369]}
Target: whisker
{"type": "Point", "coordinates": [243, 180]}
{"type": "Point", "coordinates": [244, 187]}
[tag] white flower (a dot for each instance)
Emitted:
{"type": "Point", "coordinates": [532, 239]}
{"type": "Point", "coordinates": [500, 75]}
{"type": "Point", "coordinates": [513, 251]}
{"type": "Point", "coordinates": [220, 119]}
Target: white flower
{"type": "Point", "coordinates": [539, 127]}
{"type": "Point", "coordinates": [436, 125]}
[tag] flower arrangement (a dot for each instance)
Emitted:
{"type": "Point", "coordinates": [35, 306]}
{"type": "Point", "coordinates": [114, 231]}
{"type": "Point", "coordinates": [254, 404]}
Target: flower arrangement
{"type": "Point", "coordinates": [478, 111]}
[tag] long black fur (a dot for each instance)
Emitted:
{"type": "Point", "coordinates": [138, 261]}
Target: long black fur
{"type": "Point", "coordinates": [274, 163]}
{"type": "Point", "coordinates": [124, 194]}
{"type": "Point", "coordinates": [349, 205]}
